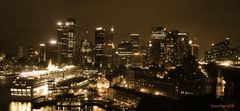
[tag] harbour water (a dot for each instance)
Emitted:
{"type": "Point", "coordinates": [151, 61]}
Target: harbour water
{"type": "Point", "coordinates": [7, 105]}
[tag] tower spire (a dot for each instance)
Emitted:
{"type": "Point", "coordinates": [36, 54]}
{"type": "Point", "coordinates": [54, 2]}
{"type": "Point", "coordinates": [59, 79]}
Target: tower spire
{"type": "Point", "coordinates": [112, 29]}
{"type": "Point", "coordinates": [86, 36]}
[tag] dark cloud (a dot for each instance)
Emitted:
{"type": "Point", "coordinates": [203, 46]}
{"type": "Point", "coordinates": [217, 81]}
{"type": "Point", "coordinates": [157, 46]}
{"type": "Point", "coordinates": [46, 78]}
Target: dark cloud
{"type": "Point", "coordinates": [28, 22]}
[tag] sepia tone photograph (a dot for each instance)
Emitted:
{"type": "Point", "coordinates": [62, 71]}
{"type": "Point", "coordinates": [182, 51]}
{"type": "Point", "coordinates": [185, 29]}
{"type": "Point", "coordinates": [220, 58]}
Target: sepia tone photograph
{"type": "Point", "coordinates": [120, 55]}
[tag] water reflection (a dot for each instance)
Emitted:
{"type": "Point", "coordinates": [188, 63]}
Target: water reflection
{"type": "Point", "coordinates": [96, 108]}
{"type": "Point", "coordinates": [20, 106]}
{"type": "Point", "coordinates": [26, 106]}
{"type": "Point", "coordinates": [220, 86]}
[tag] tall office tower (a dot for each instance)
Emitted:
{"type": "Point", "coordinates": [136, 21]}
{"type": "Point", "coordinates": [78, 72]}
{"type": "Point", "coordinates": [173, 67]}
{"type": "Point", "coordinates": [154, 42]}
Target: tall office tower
{"type": "Point", "coordinates": [31, 56]}
{"type": "Point", "coordinates": [194, 50]}
{"type": "Point", "coordinates": [66, 33]}
{"type": "Point", "coordinates": [144, 52]}
{"type": "Point", "coordinates": [137, 54]}
{"type": "Point", "coordinates": [157, 49]}
{"type": "Point", "coordinates": [99, 47]}
{"type": "Point", "coordinates": [86, 53]}
{"type": "Point", "coordinates": [42, 53]}
{"type": "Point", "coordinates": [109, 47]}
{"type": "Point", "coordinates": [169, 44]}
{"type": "Point", "coordinates": [124, 54]}
{"type": "Point", "coordinates": [181, 47]}
{"type": "Point", "coordinates": [20, 52]}
{"type": "Point", "coordinates": [221, 50]}
{"type": "Point", "coordinates": [104, 48]}
{"type": "Point", "coordinates": [52, 51]}
{"type": "Point", "coordinates": [135, 42]}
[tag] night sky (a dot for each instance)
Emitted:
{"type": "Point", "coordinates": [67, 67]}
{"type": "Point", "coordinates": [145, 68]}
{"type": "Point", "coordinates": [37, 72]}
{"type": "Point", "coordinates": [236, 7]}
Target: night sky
{"type": "Point", "coordinates": [30, 22]}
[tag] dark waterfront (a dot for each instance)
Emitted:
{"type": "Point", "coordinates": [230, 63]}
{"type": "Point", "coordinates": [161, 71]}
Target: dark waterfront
{"type": "Point", "coordinates": [8, 105]}
{"type": "Point", "coordinates": [119, 55]}
{"type": "Point", "coordinates": [5, 94]}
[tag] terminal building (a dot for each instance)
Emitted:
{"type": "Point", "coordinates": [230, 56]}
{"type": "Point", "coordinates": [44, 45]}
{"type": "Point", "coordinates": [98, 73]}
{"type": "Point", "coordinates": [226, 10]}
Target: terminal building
{"type": "Point", "coordinates": [27, 89]}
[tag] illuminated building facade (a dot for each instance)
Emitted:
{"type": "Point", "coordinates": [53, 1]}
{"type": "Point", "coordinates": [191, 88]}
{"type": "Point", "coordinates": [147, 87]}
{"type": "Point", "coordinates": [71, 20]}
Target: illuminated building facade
{"type": "Point", "coordinates": [168, 47]}
{"type": "Point", "coordinates": [27, 89]}
{"type": "Point", "coordinates": [31, 56]}
{"type": "Point", "coordinates": [222, 53]}
{"type": "Point", "coordinates": [135, 42]}
{"type": "Point", "coordinates": [221, 50]}
{"type": "Point", "coordinates": [235, 55]}
{"type": "Point", "coordinates": [144, 55]}
{"type": "Point", "coordinates": [86, 53]}
{"type": "Point", "coordinates": [137, 52]}
{"type": "Point", "coordinates": [66, 34]}
{"type": "Point", "coordinates": [42, 53]}
{"type": "Point", "coordinates": [181, 47]}
{"type": "Point", "coordinates": [104, 48]}
{"type": "Point", "coordinates": [124, 54]}
{"type": "Point", "coordinates": [109, 48]}
{"type": "Point", "coordinates": [52, 51]}
{"type": "Point", "coordinates": [195, 50]}
{"type": "Point", "coordinates": [209, 57]}
{"type": "Point", "coordinates": [99, 47]}
{"type": "Point", "coordinates": [157, 49]}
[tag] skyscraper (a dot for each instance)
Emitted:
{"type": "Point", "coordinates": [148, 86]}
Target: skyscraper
{"type": "Point", "coordinates": [52, 51]}
{"type": "Point", "coordinates": [109, 48]}
{"type": "Point", "coordinates": [99, 47]}
{"type": "Point", "coordinates": [124, 54]}
{"type": "Point", "coordinates": [31, 56]}
{"type": "Point", "coordinates": [181, 47]}
{"type": "Point", "coordinates": [104, 48]}
{"type": "Point", "coordinates": [66, 33]}
{"type": "Point", "coordinates": [42, 53]}
{"type": "Point", "coordinates": [157, 49]}
{"type": "Point", "coordinates": [137, 52]}
{"type": "Point", "coordinates": [168, 47]}
{"type": "Point", "coordinates": [86, 53]}
{"type": "Point", "coordinates": [195, 50]}
{"type": "Point", "coordinates": [135, 42]}
{"type": "Point", "coordinates": [221, 50]}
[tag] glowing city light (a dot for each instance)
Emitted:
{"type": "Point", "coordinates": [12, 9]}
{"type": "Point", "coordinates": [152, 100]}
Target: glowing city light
{"type": "Point", "coordinates": [99, 28]}
{"type": "Point", "coordinates": [113, 46]}
{"type": "Point", "coordinates": [112, 29]}
{"type": "Point", "coordinates": [157, 93]}
{"type": "Point", "coordinates": [136, 54]}
{"type": "Point", "coordinates": [190, 42]}
{"type": "Point", "coordinates": [59, 23]}
{"type": "Point", "coordinates": [53, 42]}
{"type": "Point", "coordinates": [220, 86]}
{"type": "Point", "coordinates": [67, 24]}
{"type": "Point", "coordinates": [226, 63]}
{"type": "Point", "coordinates": [51, 68]}
{"type": "Point", "coordinates": [42, 45]}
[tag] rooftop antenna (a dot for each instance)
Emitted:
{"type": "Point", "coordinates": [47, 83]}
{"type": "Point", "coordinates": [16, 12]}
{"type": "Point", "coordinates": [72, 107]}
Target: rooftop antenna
{"type": "Point", "coordinates": [86, 36]}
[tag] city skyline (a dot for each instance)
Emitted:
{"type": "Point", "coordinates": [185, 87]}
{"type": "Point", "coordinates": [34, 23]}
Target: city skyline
{"type": "Point", "coordinates": [209, 21]}
{"type": "Point", "coordinates": [120, 55]}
